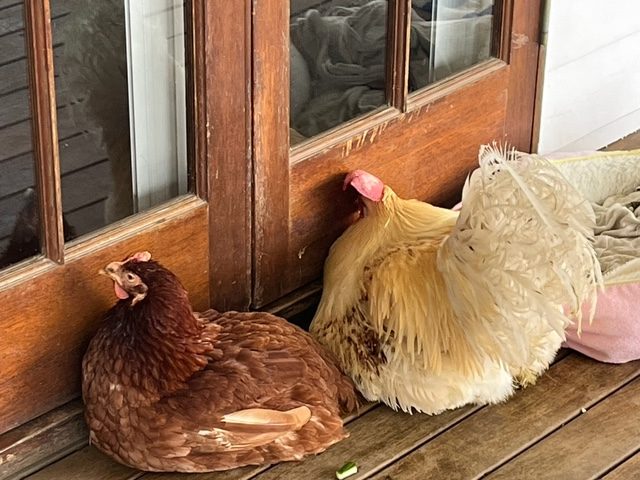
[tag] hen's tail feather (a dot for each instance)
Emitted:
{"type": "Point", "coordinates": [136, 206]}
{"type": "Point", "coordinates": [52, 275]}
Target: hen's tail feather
{"type": "Point", "coordinates": [521, 249]}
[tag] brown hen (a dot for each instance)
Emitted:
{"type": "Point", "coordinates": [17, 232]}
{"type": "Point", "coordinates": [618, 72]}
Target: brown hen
{"type": "Point", "coordinates": [167, 389]}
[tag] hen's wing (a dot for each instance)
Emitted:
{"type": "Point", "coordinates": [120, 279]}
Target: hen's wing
{"type": "Point", "coordinates": [520, 252]}
{"type": "Point", "coordinates": [405, 299]}
{"type": "Point", "coordinates": [263, 383]}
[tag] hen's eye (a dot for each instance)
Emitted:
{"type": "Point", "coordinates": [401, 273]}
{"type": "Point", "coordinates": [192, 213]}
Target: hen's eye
{"type": "Point", "coordinates": [131, 277]}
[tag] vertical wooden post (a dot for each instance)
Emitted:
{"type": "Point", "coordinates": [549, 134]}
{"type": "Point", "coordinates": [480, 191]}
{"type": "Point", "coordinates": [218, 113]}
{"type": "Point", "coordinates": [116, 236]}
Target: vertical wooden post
{"type": "Point", "coordinates": [44, 126]}
{"type": "Point", "coordinates": [398, 37]}
{"type": "Point", "coordinates": [223, 127]}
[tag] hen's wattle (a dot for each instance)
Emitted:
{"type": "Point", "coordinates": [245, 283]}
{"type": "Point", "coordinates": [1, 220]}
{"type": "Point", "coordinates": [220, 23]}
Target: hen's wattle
{"type": "Point", "coordinates": [167, 389]}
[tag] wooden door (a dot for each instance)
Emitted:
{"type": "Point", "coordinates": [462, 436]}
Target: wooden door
{"type": "Point", "coordinates": [52, 301]}
{"type": "Point", "coordinates": [422, 143]}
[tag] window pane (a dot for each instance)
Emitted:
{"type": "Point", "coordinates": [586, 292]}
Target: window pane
{"type": "Point", "coordinates": [448, 36]}
{"type": "Point", "coordinates": [120, 80]}
{"type": "Point", "coordinates": [19, 222]}
{"type": "Point", "coordinates": [337, 50]}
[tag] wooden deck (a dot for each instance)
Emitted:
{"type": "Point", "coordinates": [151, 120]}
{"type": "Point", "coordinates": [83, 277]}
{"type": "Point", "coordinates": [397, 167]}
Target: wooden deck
{"type": "Point", "coordinates": [580, 421]}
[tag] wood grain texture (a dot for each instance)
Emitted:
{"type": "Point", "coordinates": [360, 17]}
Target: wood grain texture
{"type": "Point", "coordinates": [228, 105]}
{"type": "Point", "coordinates": [501, 29]}
{"type": "Point", "coordinates": [270, 148]}
{"type": "Point", "coordinates": [42, 441]}
{"type": "Point", "coordinates": [627, 470]}
{"type": "Point", "coordinates": [87, 463]}
{"type": "Point", "coordinates": [74, 466]}
{"type": "Point", "coordinates": [476, 446]}
{"type": "Point", "coordinates": [196, 97]}
{"type": "Point", "coordinates": [615, 423]}
{"type": "Point", "coordinates": [425, 153]}
{"type": "Point", "coordinates": [375, 440]}
{"type": "Point", "coordinates": [523, 71]}
{"type": "Point", "coordinates": [630, 142]}
{"type": "Point", "coordinates": [398, 33]}
{"type": "Point", "coordinates": [50, 311]}
{"type": "Point", "coordinates": [44, 127]}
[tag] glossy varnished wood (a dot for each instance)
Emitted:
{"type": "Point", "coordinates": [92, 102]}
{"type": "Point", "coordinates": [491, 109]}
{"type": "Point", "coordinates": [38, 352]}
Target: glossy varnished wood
{"type": "Point", "coordinates": [523, 65]}
{"type": "Point", "coordinates": [44, 127]}
{"type": "Point", "coordinates": [270, 147]}
{"type": "Point", "coordinates": [398, 34]}
{"type": "Point", "coordinates": [227, 126]}
{"type": "Point", "coordinates": [424, 152]}
{"type": "Point", "coordinates": [49, 311]}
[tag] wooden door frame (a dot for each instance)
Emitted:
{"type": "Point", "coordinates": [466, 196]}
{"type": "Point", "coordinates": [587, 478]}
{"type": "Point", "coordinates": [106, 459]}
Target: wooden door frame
{"type": "Point", "coordinates": [224, 117]}
{"type": "Point", "coordinates": [286, 257]}
{"type": "Point", "coordinates": [205, 238]}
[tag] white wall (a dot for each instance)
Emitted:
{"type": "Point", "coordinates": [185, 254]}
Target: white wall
{"type": "Point", "coordinates": [591, 79]}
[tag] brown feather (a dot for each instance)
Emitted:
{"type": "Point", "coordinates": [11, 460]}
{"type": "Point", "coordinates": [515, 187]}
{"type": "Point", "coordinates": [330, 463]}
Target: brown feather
{"type": "Point", "coordinates": [167, 389]}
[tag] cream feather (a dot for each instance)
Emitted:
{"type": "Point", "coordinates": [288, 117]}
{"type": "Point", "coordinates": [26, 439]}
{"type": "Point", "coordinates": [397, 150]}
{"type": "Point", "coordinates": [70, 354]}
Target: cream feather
{"type": "Point", "coordinates": [460, 303]}
{"type": "Point", "coordinates": [520, 253]}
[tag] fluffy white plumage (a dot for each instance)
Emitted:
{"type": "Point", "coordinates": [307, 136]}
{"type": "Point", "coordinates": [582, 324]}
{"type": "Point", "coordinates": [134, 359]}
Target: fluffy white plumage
{"type": "Point", "coordinates": [429, 310]}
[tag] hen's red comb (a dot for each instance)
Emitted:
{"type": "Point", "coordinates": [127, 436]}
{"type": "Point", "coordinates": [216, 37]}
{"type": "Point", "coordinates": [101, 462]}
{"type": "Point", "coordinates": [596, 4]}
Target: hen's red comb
{"type": "Point", "coordinates": [140, 257]}
{"type": "Point", "coordinates": [367, 185]}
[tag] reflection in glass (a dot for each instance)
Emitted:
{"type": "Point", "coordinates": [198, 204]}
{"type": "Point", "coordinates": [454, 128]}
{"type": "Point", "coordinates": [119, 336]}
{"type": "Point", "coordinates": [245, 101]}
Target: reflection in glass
{"type": "Point", "coordinates": [337, 50]}
{"type": "Point", "coordinates": [19, 222]}
{"type": "Point", "coordinates": [447, 36]}
{"type": "Point", "coordinates": [120, 84]}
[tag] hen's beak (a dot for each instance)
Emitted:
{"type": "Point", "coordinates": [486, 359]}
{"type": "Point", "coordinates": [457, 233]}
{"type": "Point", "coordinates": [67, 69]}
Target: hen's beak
{"type": "Point", "coordinates": [112, 271]}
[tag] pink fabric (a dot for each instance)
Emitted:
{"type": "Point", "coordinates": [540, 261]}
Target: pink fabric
{"type": "Point", "coordinates": [614, 334]}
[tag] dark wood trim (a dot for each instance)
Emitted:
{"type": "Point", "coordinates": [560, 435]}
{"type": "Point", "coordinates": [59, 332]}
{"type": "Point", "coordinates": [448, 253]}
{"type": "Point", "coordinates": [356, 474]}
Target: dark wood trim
{"type": "Point", "coordinates": [523, 66]}
{"type": "Point", "coordinates": [44, 127]}
{"type": "Point", "coordinates": [196, 97]}
{"type": "Point", "coordinates": [293, 230]}
{"type": "Point", "coordinates": [398, 34]}
{"type": "Point", "coordinates": [537, 107]}
{"type": "Point", "coordinates": [42, 441]}
{"type": "Point", "coordinates": [297, 301]}
{"type": "Point", "coordinates": [270, 146]}
{"type": "Point", "coordinates": [58, 325]}
{"type": "Point", "coordinates": [342, 134]}
{"type": "Point", "coordinates": [453, 84]}
{"type": "Point", "coordinates": [354, 129]}
{"type": "Point", "coordinates": [431, 165]}
{"type": "Point", "coordinates": [227, 138]}
{"type": "Point", "coordinates": [501, 31]}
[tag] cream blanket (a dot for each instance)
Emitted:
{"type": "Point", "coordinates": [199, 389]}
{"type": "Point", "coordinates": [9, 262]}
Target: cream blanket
{"type": "Point", "coordinates": [617, 239]}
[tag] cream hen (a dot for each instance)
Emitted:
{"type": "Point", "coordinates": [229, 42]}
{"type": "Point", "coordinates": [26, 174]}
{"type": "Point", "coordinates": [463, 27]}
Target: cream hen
{"type": "Point", "coordinates": [431, 309]}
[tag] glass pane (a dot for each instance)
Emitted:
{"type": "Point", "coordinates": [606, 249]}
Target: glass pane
{"type": "Point", "coordinates": [120, 80]}
{"type": "Point", "coordinates": [337, 50]}
{"type": "Point", "coordinates": [448, 36]}
{"type": "Point", "coordinates": [19, 222]}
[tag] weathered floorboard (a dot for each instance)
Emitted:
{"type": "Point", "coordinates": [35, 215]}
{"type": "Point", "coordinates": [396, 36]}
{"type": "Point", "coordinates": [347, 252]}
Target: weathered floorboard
{"type": "Point", "coordinates": [588, 446]}
{"type": "Point", "coordinates": [375, 440]}
{"type": "Point", "coordinates": [86, 464]}
{"type": "Point", "coordinates": [499, 432]}
{"type": "Point", "coordinates": [627, 470]}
